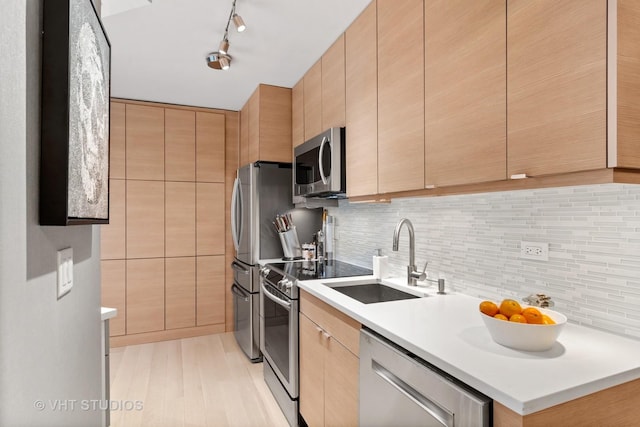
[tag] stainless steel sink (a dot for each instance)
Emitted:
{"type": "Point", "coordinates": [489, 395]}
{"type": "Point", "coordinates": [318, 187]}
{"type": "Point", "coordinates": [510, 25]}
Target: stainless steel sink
{"type": "Point", "coordinates": [370, 292]}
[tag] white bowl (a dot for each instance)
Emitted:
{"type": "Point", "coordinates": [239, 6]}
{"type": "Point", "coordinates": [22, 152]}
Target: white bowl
{"type": "Point", "coordinates": [524, 336]}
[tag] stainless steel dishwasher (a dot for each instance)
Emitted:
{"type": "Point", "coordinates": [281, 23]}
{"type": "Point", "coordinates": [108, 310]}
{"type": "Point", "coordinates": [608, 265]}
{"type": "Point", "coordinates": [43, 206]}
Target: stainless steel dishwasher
{"type": "Point", "coordinates": [399, 389]}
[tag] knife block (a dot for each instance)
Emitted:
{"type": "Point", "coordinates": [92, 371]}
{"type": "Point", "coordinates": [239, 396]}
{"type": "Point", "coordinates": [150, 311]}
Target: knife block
{"type": "Point", "coordinates": [290, 244]}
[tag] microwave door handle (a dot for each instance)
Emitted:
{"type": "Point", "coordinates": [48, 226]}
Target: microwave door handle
{"type": "Point", "coordinates": [265, 291]}
{"type": "Point", "coordinates": [322, 144]}
{"type": "Point", "coordinates": [234, 214]}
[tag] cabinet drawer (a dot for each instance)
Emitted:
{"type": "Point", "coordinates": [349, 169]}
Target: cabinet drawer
{"type": "Point", "coordinates": [340, 326]}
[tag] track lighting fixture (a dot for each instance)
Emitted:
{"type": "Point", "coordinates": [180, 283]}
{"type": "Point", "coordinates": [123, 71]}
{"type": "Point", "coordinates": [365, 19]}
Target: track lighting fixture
{"type": "Point", "coordinates": [221, 60]}
{"type": "Point", "coordinates": [239, 23]}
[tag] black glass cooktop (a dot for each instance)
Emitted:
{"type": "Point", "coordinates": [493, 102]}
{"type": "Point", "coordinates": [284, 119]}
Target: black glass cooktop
{"type": "Point", "coordinates": [311, 270]}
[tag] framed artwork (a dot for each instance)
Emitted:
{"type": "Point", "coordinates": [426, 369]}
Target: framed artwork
{"type": "Point", "coordinates": [74, 145]}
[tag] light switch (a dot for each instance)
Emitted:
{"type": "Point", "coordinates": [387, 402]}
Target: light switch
{"type": "Point", "coordinates": [65, 271]}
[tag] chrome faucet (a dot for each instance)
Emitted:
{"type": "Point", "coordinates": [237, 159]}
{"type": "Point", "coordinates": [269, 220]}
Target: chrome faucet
{"type": "Point", "coordinates": [412, 274]}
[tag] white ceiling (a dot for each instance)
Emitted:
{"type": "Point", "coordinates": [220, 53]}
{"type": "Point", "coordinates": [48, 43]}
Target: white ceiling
{"type": "Point", "coordinates": [158, 50]}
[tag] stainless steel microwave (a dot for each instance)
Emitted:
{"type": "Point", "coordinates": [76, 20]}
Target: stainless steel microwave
{"type": "Point", "coordinates": [319, 166]}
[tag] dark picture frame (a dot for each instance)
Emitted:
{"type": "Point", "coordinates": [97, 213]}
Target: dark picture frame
{"type": "Point", "coordinates": [75, 107]}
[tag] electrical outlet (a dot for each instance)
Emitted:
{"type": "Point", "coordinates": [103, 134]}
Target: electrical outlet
{"type": "Point", "coordinates": [65, 271]}
{"type": "Point", "coordinates": [534, 250]}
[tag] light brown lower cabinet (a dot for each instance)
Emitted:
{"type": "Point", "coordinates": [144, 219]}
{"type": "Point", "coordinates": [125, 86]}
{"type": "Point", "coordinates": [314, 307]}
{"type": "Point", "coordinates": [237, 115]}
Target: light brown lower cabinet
{"type": "Point", "coordinates": [145, 295]}
{"type": "Point", "coordinates": [329, 370]}
{"type": "Point", "coordinates": [180, 292]}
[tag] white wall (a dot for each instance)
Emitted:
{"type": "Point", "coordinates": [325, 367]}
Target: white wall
{"type": "Point", "coordinates": [593, 272]}
{"type": "Point", "coordinates": [49, 349]}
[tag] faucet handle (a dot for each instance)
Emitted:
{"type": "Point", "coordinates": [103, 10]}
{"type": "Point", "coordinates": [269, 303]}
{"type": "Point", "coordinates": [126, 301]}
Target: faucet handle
{"type": "Point", "coordinates": [424, 270]}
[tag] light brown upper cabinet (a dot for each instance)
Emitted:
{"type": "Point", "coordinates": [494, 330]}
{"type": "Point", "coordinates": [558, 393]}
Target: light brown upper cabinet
{"type": "Point", "coordinates": [210, 144]}
{"type": "Point", "coordinates": [624, 98]}
{"type": "Point", "coordinates": [361, 104]}
{"type": "Point", "coordinates": [312, 82]}
{"type": "Point", "coordinates": [556, 86]}
{"type": "Point", "coordinates": [265, 126]}
{"type": "Point", "coordinates": [113, 235]}
{"type": "Point", "coordinates": [297, 113]}
{"type": "Point", "coordinates": [333, 85]}
{"type": "Point", "coordinates": [465, 91]}
{"type": "Point", "coordinates": [180, 145]}
{"type": "Point", "coordinates": [145, 142]}
{"type": "Point", "coordinates": [117, 144]}
{"type": "Point", "coordinates": [145, 219]}
{"type": "Point", "coordinates": [180, 219]}
{"type": "Point", "coordinates": [210, 219]}
{"type": "Point", "coordinates": [400, 95]}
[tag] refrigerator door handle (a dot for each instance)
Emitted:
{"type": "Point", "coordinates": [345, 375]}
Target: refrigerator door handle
{"type": "Point", "coordinates": [234, 213]}
{"type": "Point", "coordinates": [237, 291]}
{"type": "Point", "coordinates": [240, 269]}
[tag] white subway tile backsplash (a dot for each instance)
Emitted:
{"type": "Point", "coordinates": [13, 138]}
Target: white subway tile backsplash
{"type": "Point", "coordinates": [474, 242]}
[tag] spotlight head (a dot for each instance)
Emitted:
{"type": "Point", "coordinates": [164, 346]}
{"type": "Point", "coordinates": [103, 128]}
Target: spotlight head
{"type": "Point", "coordinates": [218, 61]}
{"type": "Point", "coordinates": [224, 46]}
{"type": "Point", "coordinates": [239, 23]}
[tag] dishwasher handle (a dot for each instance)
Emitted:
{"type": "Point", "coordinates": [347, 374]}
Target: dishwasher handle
{"type": "Point", "coordinates": [428, 405]}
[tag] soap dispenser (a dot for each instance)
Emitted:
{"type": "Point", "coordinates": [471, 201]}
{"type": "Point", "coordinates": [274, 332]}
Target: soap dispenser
{"type": "Point", "coordinates": [380, 263]}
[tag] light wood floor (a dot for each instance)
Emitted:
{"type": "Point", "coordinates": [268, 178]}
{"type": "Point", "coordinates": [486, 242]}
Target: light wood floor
{"type": "Point", "coordinates": [198, 382]}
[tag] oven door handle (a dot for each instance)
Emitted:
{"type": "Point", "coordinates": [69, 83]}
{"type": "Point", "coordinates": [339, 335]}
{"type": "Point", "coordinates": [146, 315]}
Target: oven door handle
{"type": "Point", "coordinates": [235, 289]}
{"type": "Point", "coordinates": [265, 291]}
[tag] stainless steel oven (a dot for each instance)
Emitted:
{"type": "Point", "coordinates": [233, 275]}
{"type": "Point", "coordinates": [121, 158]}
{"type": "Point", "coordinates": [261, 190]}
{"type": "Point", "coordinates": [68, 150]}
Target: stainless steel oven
{"type": "Point", "coordinates": [279, 311]}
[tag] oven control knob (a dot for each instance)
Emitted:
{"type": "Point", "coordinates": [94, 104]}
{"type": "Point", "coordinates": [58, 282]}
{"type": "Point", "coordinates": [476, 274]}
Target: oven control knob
{"type": "Point", "coordinates": [288, 285]}
{"type": "Point", "coordinates": [264, 271]}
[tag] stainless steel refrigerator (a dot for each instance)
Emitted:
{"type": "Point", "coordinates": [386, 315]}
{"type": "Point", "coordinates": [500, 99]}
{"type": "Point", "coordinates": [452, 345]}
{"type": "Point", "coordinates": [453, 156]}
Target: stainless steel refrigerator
{"type": "Point", "coordinates": [261, 191]}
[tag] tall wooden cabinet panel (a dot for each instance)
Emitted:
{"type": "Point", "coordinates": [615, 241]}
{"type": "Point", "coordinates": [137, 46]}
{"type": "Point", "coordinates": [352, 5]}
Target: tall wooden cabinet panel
{"type": "Point", "coordinates": [180, 145]}
{"type": "Point", "coordinates": [117, 141]}
{"type": "Point", "coordinates": [113, 279]}
{"type": "Point", "coordinates": [210, 136]}
{"type": "Point", "coordinates": [113, 235]}
{"type": "Point", "coordinates": [361, 104]}
{"type": "Point", "coordinates": [254, 126]}
{"type": "Point", "coordinates": [145, 295]}
{"type": "Point", "coordinates": [401, 95]}
{"type": "Point", "coordinates": [313, 101]}
{"type": "Point", "coordinates": [297, 113]}
{"type": "Point", "coordinates": [556, 86]}
{"type": "Point", "coordinates": [145, 219]}
{"type": "Point", "coordinates": [145, 142]}
{"type": "Point", "coordinates": [180, 292]}
{"type": "Point", "coordinates": [180, 219]}
{"type": "Point", "coordinates": [210, 288]}
{"type": "Point", "coordinates": [465, 91]}
{"type": "Point", "coordinates": [628, 90]}
{"type": "Point", "coordinates": [333, 85]}
{"type": "Point", "coordinates": [210, 219]}
{"type": "Point", "coordinates": [244, 135]}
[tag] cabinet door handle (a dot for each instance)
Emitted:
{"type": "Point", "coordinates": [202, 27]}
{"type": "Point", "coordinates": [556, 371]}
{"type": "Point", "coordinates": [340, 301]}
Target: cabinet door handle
{"type": "Point", "coordinates": [326, 335]}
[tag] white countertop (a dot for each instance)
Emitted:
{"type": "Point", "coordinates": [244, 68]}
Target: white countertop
{"type": "Point", "coordinates": [447, 331]}
{"type": "Point", "coordinates": [108, 313]}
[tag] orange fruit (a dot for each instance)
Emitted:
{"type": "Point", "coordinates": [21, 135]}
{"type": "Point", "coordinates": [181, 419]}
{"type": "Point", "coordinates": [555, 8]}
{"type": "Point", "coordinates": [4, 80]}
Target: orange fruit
{"type": "Point", "coordinates": [489, 308]}
{"type": "Point", "coordinates": [500, 317]}
{"type": "Point", "coordinates": [519, 318]}
{"type": "Point", "coordinates": [532, 315]}
{"type": "Point", "coordinates": [546, 320]}
{"type": "Point", "coordinates": [509, 307]}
